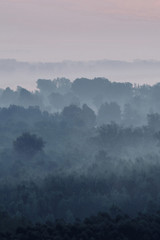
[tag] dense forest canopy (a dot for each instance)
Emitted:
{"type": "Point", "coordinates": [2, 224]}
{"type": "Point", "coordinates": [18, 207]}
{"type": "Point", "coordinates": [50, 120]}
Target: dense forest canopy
{"type": "Point", "coordinates": [72, 149]}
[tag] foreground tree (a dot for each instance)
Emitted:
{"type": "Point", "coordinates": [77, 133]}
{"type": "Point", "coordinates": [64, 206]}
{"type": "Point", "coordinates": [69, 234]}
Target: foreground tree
{"type": "Point", "coordinates": [28, 144]}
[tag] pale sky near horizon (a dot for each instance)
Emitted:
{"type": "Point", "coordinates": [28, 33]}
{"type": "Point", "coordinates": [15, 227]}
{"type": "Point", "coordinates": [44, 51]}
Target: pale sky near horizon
{"type": "Point", "coordinates": [57, 30]}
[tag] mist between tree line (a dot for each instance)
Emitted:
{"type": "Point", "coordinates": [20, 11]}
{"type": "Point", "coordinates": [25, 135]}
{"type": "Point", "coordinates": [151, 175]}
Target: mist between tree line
{"type": "Point", "coordinates": [70, 150]}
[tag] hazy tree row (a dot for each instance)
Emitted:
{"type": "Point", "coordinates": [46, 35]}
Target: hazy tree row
{"type": "Point", "coordinates": [122, 103]}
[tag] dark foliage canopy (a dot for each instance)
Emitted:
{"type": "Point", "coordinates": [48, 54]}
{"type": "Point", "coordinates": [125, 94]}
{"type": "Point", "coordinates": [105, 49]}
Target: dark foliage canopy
{"type": "Point", "coordinates": [28, 144]}
{"type": "Point", "coordinates": [100, 227]}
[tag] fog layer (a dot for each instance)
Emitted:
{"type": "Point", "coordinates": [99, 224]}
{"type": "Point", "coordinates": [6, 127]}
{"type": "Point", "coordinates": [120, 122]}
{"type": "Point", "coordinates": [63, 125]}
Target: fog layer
{"type": "Point", "coordinates": [13, 73]}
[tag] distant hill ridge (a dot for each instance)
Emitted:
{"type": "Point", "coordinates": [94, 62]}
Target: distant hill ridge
{"type": "Point", "coordinates": [25, 74]}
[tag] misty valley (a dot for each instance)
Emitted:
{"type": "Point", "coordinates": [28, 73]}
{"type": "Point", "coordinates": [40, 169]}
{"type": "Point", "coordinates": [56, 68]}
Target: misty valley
{"type": "Point", "coordinates": [80, 160]}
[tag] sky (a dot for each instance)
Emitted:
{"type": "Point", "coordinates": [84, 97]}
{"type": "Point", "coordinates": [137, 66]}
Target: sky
{"type": "Point", "coordinates": [57, 30]}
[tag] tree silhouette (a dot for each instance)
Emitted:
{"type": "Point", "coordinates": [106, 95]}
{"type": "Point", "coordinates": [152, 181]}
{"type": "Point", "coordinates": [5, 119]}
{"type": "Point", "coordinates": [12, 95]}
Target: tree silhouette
{"type": "Point", "coordinates": [28, 144]}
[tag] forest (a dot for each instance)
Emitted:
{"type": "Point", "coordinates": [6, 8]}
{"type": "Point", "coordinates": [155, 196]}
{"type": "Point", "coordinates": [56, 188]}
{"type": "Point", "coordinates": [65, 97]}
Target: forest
{"type": "Point", "coordinates": [78, 159]}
